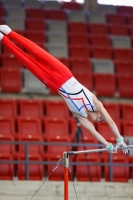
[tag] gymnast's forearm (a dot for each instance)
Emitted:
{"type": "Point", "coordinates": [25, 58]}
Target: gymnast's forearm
{"type": "Point", "coordinates": [90, 127]}
{"type": "Point", "coordinates": [99, 137]}
{"type": "Point", "coordinates": [114, 129]}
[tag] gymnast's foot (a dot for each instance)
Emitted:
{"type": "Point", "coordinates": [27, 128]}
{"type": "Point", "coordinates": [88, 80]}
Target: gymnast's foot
{"type": "Point", "coordinates": [1, 36]}
{"type": "Point", "coordinates": [5, 29]}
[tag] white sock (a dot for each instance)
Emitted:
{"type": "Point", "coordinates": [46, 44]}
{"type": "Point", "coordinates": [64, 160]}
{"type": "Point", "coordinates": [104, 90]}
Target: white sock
{"type": "Point", "coordinates": [5, 29]}
{"type": "Point", "coordinates": [1, 36]}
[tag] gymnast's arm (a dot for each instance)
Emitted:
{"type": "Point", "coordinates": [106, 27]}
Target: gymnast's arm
{"type": "Point", "coordinates": [106, 117]}
{"type": "Point", "coordinates": [90, 127]}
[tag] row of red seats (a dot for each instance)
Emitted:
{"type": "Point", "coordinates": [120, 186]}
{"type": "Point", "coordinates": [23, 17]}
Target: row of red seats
{"type": "Point", "coordinates": [33, 108]}
{"type": "Point", "coordinates": [56, 129]}
{"type": "Point", "coordinates": [34, 126]}
{"type": "Point", "coordinates": [103, 84]}
{"type": "Point", "coordinates": [62, 15]}
{"type": "Point", "coordinates": [125, 9]}
{"type": "Point", "coordinates": [121, 67]}
{"type": "Point", "coordinates": [55, 108]}
{"type": "Point", "coordinates": [114, 19]}
{"type": "Point", "coordinates": [53, 145]}
{"type": "Point", "coordinates": [81, 39]}
{"type": "Point", "coordinates": [89, 51]}
{"type": "Point", "coordinates": [108, 85]}
{"type": "Point", "coordinates": [100, 52]}
{"type": "Point", "coordinates": [77, 6]}
{"type": "Point", "coordinates": [38, 171]}
{"type": "Point", "coordinates": [58, 145]}
{"type": "Point", "coordinates": [64, 5]}
{"type": "Point", "coordinates": [83, 28]}
{"type": "Point", "coordinates": [73, 38]}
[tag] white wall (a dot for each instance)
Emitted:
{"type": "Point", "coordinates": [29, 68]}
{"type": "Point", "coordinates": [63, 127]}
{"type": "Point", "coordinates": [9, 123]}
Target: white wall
{"type": "Point", "coordinates": [23, 190]}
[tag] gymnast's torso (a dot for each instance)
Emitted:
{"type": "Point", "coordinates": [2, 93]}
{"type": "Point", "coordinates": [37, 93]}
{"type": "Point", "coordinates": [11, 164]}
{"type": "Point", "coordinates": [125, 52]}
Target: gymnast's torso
{"type": "Point", "coordinates": [77, 97]}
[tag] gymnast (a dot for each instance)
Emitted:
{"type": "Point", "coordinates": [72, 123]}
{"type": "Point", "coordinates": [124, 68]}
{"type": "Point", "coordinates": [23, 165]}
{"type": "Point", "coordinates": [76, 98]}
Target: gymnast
{"type": "Point", "coordinates": [50, 71]}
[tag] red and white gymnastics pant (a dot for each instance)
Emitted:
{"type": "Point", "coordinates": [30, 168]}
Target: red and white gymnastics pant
{"type": "Point", "coordinates": [44, 66]}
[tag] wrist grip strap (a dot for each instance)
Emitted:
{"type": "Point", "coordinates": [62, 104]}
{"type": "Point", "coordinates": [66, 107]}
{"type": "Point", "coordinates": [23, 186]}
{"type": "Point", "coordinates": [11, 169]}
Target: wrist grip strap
{"type": "Point", "coordinates": [109, 147]}
{"type": "Point", "coordinates": [119, 139]}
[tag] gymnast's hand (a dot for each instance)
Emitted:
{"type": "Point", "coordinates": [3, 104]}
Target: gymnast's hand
{"type": "Point", "coordinates": [111, 149]}
{"type": "Point", "coordinates": [121, 143]}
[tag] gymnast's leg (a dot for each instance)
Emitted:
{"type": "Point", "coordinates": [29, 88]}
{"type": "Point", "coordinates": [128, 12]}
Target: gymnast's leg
{"type": "Point", "coordinates": [40, 54]}
{"type": "Point", "coordinates": [39, 70]}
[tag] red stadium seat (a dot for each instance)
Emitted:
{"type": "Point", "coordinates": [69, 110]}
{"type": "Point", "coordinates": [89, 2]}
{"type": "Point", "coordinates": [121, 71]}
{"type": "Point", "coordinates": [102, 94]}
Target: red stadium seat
{"type": "Point", "coordinates": [105, 84]}
{"type": "Point", "coordinates": [105, 156]}
{"type": "Point", "coordinates": [132, 163]}
{"type": "Point", "coordinates": [127, 111]}
{"type": "Point", "coordinates": [78, 39]}
{"type": "Point", "coordinates": [1, 20]}
{"type": "Point", "coordinates": [101, 52]}
{"type": "Point", "coordinates": [35, 170]}
{"type": "Point", "coordinates": [29, 126]}
{"type": "Point", "coordinates": [118, 29]}
{"type": "Point", "coordinates": [100, 40]}
{"type": "Point", "coordinates": [7, 147]}
{"type": "Point", "coordinates": [124, 67]}
{"type": "Point", "coordinates": [123, 54]}
{"type": "Point", "coordinates": [106, 132]}
{"type": "Point", "coordinates": [5, 50]}
{"type": "Point", "coordinates": [86, 79]}
{"type": "Point", "coordinates": [36, 36]}
{"type": "Point", "coordinates": [78, 28]}
{"type": "Point", "coordinates": [81, 65]}
{"type": "Point", "coordinates": [79, 51]}
{"type": "Point", "coordinates": [56, 109]}
{"type": "Point", "coordinates": [84, 173]}
{"type": "Point", "coordinates": [71, 6]}
{"type": "Point", "coordinates": [0, 61]}
{"type": "Point", "coordinates": [128, 127]}
{"type": "Point", "coordinates": [116, 19]}
{"type": "Point", "coordinates": [11, 80]}
{"type": "Point", "coordinates": [6, 170]}
{"type": "Point", "coordinates": [124, 86]}
{"type": "Point", "coordinates": [30, 108]}
{"type": "Point", "coordinates": [131, 38]}
{"type": "Point", "coordinates": [57, 149]}
{"type": "Point", "coordinates": [99, 29]}
{"type": "Point", "coordinates": [129, 19]}
{"type": "Point", "coordinates": [120, 173]}
{"type": "Point", "coordinates": [10, 61]}
{"type": "Point", "coordinates": [56, 126]}
{"type": "Point", "coordinates": [56, 15]}
{"type": "Point", "coordinates": [65, 61]}
{"type": "Point", "coordinates": [8, 108]}
{"type": "Point", "coordinates": [130, 27]}
{"type": "Point", "coordinates": [36, 13]}
{"type": "Point", "coordinates": [35, 25]}
{"type": "Point", "coordinates": [85, 137]}
{"type": "Point", "coordinates": [7, 127]}
{"type": "Point", "coordinates": [58, 174]}
{"type": "Point", "coordinates": [33, 148]}
{"type": "Point", "coordinates": [125, 10]}
{"type": "Point", "coordinates": [113, 109]}
{"type": "Point", "coordinates": [2, 12]}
